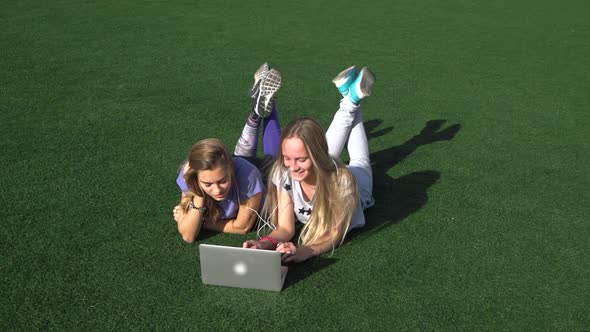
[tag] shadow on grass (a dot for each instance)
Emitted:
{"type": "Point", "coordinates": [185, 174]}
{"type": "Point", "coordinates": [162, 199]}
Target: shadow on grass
{"type": "Point", "coordinates": [397, 198]}
{"type": "Point", "coordinates": [205, 234]}
{"type": "Point", "coordinates": [300, 271]}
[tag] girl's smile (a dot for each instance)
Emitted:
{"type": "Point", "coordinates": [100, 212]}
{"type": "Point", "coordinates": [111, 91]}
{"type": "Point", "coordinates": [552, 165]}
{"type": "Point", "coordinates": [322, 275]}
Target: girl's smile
{"type": "Point", "coordinates": [297, 160]}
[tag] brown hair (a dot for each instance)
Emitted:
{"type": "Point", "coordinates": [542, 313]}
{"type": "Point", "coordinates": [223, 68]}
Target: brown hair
{"type": "Point", "coordinates": [207, 154]}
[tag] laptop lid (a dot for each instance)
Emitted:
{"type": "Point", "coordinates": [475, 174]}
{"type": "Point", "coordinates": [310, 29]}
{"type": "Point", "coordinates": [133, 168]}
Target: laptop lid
{"type": "Point", "coordinates": [239, 267]}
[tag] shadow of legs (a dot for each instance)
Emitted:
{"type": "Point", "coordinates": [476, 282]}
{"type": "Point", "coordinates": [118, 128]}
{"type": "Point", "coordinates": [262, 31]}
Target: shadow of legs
{"type": "Point", "coordinates": [397, 198]}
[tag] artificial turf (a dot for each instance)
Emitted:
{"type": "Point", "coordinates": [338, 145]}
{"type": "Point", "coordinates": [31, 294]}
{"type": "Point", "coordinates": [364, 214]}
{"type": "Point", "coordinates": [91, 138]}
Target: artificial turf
{"type": "Point", "coordinates": [478, 134]}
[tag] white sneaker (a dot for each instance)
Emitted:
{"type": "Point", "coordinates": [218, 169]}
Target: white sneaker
{"type": "Point", "coordinates": [268, 87]}
{"type": "Point", "coordinates": [345, 79]}
{"type": "Point", "coordinates": [258, 75]}
{"type": "Point", "coordinates": [362, 86]}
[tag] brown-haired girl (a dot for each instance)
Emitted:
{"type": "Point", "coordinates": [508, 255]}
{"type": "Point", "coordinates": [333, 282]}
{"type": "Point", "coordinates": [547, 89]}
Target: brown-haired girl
{"type": "Point", "coordinates": [221, 192]}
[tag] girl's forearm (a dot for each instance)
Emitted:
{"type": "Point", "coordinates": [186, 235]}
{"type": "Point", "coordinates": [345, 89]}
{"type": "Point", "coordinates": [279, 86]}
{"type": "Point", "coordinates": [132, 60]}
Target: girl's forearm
{"type": "Point", "coordinates": [190, 225]}
{"type": "Point", "coordinates": [225, 226]}
{"type": "Point", "coordinates": [281, 235]}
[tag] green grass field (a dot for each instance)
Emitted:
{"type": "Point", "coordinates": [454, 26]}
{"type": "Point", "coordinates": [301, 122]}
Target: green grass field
{"type": "Point", "coordinates": [478, 130]}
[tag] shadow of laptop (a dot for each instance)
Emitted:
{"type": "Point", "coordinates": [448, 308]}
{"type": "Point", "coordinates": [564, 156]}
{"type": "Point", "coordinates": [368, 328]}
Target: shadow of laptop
{"type": "Point", "coordinates": [300, 271]}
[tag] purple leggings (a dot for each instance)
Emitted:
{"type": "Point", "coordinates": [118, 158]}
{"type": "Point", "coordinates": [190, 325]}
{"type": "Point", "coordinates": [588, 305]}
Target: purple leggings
{"type": "Point", "coordinates": [247, 143]}
{"type": "Point", "coordinates": [271, 134]}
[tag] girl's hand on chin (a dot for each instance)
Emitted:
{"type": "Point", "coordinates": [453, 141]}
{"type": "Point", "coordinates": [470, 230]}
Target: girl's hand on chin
{"type": "Point", "coordinates": [177, 213]}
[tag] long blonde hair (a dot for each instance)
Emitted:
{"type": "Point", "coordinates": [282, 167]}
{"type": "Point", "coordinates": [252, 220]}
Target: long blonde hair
{"type": "Point", "coordinates": [206, 154]}
{"type": "Point", "coordinates": [336, 194]}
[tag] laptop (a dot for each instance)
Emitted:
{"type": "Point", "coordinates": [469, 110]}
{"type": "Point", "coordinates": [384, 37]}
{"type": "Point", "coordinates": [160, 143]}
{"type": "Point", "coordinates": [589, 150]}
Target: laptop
{"type": "Point", "coordinates": [240, 267]}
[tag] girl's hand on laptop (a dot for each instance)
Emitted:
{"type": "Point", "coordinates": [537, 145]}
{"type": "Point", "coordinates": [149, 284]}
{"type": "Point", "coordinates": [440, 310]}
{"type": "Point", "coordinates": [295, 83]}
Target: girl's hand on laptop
{"type": "Point", "coordinates": [287, 248]}
{"type": "Point", "coordinates": [252, 244]}
{"type": "Point", "coordinates": [292, 254]}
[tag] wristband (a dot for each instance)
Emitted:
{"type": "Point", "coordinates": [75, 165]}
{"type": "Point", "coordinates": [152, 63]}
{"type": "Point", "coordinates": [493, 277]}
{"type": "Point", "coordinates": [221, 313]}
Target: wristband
{"type": "Point", "coordinates": [201, 209]}
{"type": "Point", "coordinates": [271, 239]}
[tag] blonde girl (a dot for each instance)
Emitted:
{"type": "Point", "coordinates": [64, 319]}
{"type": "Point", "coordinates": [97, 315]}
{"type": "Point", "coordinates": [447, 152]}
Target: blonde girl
{"type": "Point", "coordinates": [310, 184]}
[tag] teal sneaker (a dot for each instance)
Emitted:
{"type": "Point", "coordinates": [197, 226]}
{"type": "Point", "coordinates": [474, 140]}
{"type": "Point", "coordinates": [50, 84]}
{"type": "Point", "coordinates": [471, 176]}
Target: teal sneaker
{"type": "Point", "coordinates": [258, 76]}
{"type": "Point", "coordinates": [267, 90]}
{"type": "Point", "coordinates": [362, 86]}
{"type": "Point", "coordinates": [345, 79]}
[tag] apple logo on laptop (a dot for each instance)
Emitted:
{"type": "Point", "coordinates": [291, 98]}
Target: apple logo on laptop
{"type": "Point", "coordinates": [240, 268]}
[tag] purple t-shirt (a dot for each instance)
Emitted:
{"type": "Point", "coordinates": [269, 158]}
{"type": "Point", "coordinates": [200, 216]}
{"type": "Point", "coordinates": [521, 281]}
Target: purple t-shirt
{"type": "Point", "coordinates": [248, 183]}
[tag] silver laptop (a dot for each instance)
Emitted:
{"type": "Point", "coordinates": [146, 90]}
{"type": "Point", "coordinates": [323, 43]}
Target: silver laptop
{"type": "Point", "coordinates": [239, 267]}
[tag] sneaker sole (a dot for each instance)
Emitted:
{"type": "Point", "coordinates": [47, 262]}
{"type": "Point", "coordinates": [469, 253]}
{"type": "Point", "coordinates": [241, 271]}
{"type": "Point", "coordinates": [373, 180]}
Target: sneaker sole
{"type": "Point", "coordinates": [367, 81]}
{"type": "Point", "coordinates": [258, 76]}
{"type": "Point", "coordinates": [269, 85]}
{"type": "Point", "coordinates": [343, 76]}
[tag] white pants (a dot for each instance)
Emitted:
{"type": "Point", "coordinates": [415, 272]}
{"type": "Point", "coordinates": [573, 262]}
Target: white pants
{"type": "Point", "coordinates": [347, 125]}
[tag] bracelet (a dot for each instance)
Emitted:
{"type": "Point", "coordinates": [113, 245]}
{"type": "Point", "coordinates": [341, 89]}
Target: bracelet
{"type": "Point", "coordinates": [201, 209]}
{"type": "Point", "coordinates": [271, 239]}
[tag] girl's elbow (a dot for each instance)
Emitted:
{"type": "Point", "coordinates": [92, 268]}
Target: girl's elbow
{"type": "Point", "coordinates": [242, 229]}
{"type": "Point", "coordinates": [240, 226]}
{"type": "Point", "coordinates": [188, 237]}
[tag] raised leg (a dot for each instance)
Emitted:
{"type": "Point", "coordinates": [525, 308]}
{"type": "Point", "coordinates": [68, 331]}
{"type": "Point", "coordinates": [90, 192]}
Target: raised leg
{"type": "Point", "coordinates": [271, 134]}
